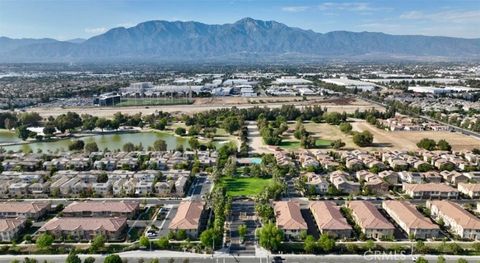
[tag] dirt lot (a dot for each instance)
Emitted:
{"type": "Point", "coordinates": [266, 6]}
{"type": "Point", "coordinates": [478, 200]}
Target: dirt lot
{"type": "Point", "coordinates": [203, 104]}
{"type": "Point", "coordinates": [407, 140]}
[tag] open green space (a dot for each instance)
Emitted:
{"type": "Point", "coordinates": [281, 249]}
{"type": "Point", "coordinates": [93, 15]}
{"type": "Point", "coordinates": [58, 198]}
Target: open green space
{"type": "Point", "coordinates": [321, 143]}
{"type": "Point", "coordinates": [153, 101]}
{"type": "Point", "coordinates": [287, 144]}
{"type": "Point", "coordinates": [244, 186]}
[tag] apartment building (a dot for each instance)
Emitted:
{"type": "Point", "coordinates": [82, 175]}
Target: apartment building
{"type": "Point", "coordinates": [29, 210]}
{"type": "Point", "coordinates": [430, 190]}
{"type": "Point", "coordinates": [128, 209]}
{"type": "Point", "coordinates": [410, 219]}
{"type": "Point", "coordinates": [372, 223]}
{"type": "Point", "coordinates": [10, 228]}
{"type": "Point", "coordinates": [461, 222]}
{"type": "Point", "coordinates": [329, 219]}
{"type": "Point", "coordinates": [471, 190]}
{"type": "Point", "coordinates": [188, 218]}
{"type": "Point", "coordinates": [289, 218]}
{"type": "Point", "coordinates": [86, 228]}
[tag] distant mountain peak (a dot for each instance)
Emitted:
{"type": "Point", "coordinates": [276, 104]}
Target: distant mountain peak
{"type": "Point", "coordinates": [247, 39]}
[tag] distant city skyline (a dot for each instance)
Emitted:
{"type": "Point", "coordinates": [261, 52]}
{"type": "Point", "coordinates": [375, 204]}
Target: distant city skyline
{"type": "Point", "coordinates": [66, 20]}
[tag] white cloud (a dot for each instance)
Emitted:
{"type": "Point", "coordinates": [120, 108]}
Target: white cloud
{"type": "Point", "coordinates": [95, 30]}
{"type": "Point", "coordinates": [294, 9]}
{"type": "Point", "coordinates": [357, 7]}
{"type": "Point", "coordinates": [450, 16]}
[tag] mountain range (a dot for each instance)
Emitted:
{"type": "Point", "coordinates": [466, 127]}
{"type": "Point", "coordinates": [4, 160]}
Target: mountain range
{"type": "Point", "coordinates": [245, 40]}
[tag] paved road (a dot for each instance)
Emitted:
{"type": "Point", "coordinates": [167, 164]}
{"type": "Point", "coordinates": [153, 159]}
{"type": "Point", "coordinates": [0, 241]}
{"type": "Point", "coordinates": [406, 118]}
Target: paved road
{"type": "Point", "coordinates": [178, 257]}
{"type": "Point", "coordinates": [243, 213]}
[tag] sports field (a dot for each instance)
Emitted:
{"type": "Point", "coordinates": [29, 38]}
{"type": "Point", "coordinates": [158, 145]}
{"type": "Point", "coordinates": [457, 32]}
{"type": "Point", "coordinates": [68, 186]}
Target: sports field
{"type": "Point", "coordinates": [244, 186]}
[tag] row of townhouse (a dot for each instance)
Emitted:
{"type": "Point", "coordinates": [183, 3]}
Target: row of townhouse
{"type": "Point", "coordinates": [372, 223]}
{"type": "Point", "coordinates": [430, 190]}
{"type": "Point", "coordinates": [14, 215]}
{"type": "Point", "coordinates": [70, 183]}
{"type": "Point", "coordinates": [357, 160]}
{"type": "Point", "coordinates": [461, 222]}
{"type": "Point", "coordinates": [103, 160]}
{"type": "Point", "coordinates": [410, 219]}
{"type": "Point", "coordinates": [85, 220]}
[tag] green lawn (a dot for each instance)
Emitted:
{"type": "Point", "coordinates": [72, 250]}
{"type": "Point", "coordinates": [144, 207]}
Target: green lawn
{"type": "Point", "coordinates": [321, 143]}
{"type": "Point", "coordinates": [153, 101]}
{"type": "Point", "coordinates": [247, 186]}
{"type": "Point", "coordinates": [287, 144]}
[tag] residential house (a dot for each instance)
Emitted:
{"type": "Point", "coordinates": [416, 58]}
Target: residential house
{"type": "Point", "coordinates": [188, 218]}
{"type": "Point", "coordinates": [289, 218]}
{"type": "Point", "coordinates": [329, 220]}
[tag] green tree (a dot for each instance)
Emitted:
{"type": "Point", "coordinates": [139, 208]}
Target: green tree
{"type": "Point", "coordinates": [194, 143]}
{"type": "Point", "coordinates": [44, 241]}
{"type": "Point", "coordinates": [462, 260]}
{"type": "Point", "coordinates": [98, 243]}
{"type": "Point", "coordinates": [144, 241]}
{"type": "Point", "coordinates": [270, 236]}
{"type": "Point", "coordinates": [209, 237]}
{"type": "Point", "coordinates": [102, 123]}
{"type": "Point", "coordinates": [181, 234]}
{"type": "Point", "coordinates": [128, 147]}
{"type": "Point", "coordinates": [363, 139]}
{"type": "Point", "coordinates": [113, 258]}
{"type": "Point", "coordinates": [23, 132]}
{"type": "Point", "coordinates": [443, 145]}
{"type": "Point", "coordinates": [180, 131]}
{"type": "Point", "coordinates": [160, 145]}
{"type": "Point", "coordinates": [163, 243]}
{"type": "Point", "coordinates": [427, 144]}
{"type": "Point", "coordinates": [30, 119]}
{"type": "Point", "coordinates": [242, 231]}
{"type": "Point", "coordinates": [68, 121]}
{"type": "Point", "coordinates": [421, 260]}
{"type": "Point", "coordinates": [73, 258]}
{"type": "Point", "coordinates": [326, 243]}
{"type": "Point", "coordinates": [310, 245]}
{"type": "Point", "coordinates": [231, 124]}
{"type": "Point", "coordinates": [49, 130]}
{"type": "Point", "coordinates": [441, 259]}
{"type": "Point", "coordinates": [91, 147]}
{"type": "Point", "coordinates": [76, 145]}
{"type": "Point", "coordinates": [345, 127]}
{"type": "Point", "coordinates": [89, 260]}
{"type": "Point", "coordinates": [337, 144]}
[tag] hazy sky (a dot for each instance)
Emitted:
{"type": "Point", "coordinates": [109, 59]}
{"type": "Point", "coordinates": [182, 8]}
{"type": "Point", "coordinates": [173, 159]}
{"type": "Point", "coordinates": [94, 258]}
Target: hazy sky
{"type": "Point", "coordinates": [67, 19]}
